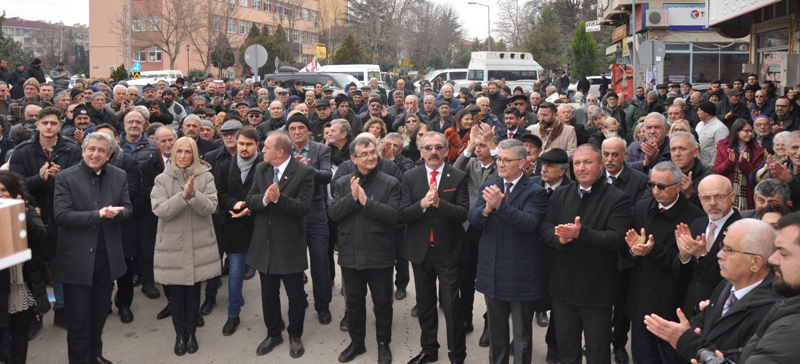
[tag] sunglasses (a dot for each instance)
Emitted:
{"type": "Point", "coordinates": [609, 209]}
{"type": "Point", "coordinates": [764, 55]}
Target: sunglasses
{"type": "Point", "coordinates": [660, 186]}
{"type": "Point", "coordinates": [430, 148]}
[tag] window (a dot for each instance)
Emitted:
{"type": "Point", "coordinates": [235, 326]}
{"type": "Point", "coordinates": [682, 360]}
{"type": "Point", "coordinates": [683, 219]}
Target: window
{"type": "Point", "coordinates": [297, 12]}
{"type": "Point", "coordinates": [287, 10]}
{"type": "Point", "coordinates": [268, 6]}
{"type": "Point", "coordinates": [140, 55]}
{"type": "Point", "coordinates": [231, 26]}
{"type": "Point", "coordinates": [296, 35]}
{"type": "Point", "coordinates": [258, 26]}
{"type": "Point", "coordinates": [270, 31]}
{"type": "Point", "coordinates": [314, 38]}
{"type": "Point", "coordinates": [278, 8]}
{"type": "Point", "coordinates": [257, 4]}
{"type": "Point", "coordinates": [305, 14]}
{"type": "Point", "coordinates": [154, 54]}
{"type": "Point", "coordinates": [216, 23]}
{"type": "Point", "coordinates": [305, 59]}
{"type": "Point", "coordinates": [314, 16]}
{"type": "Point", "coordinates": [244, 26]}
{"type": "Point", "coordinates": [138, 24]}
{"type": "Point", "coordinates": [305, 37]}
{"type": "Point", "coordinates": [153, 23]}
{"type": "Point", "coordinates": [243, 3]}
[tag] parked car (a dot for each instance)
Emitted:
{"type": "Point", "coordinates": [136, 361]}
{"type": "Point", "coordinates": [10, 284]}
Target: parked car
{"type": "Point", "coordinates": [594, 89]}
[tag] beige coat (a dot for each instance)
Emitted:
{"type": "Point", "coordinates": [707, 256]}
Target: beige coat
{"type": "Point", "coordinates": [186, 246]}
{"type": "Point", "coordinates": [567, 140]}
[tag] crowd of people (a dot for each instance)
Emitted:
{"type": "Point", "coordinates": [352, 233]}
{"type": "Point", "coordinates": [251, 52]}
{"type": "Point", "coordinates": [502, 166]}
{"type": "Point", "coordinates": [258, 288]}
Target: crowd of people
{"type": "Point", "coordinates": [667, 218]}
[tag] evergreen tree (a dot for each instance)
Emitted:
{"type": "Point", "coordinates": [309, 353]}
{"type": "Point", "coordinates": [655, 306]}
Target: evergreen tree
{"type": "Point", "coordinates": [584, 52]}
{"type": "Point", "coordinates": [120, 73]}
{"type": "Point", "coordinates": [545, 41]}
{"type": "Point", "coordinates": [281, 48]}
{"type": "Point", "coordinates": [350, 52]}
{"type": "Point", "coordinates": [222, 53]}
{"type": "Point", "coordinates": [10, 49]}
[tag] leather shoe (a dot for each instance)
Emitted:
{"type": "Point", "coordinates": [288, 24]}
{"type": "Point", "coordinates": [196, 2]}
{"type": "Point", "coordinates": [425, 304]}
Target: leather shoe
{"type": "Point", "coordinates": [344, 325]}
{"type": "Point", "coordinates": [201, 321]}
{"type": "Point", "coordinates": [484, 340]}
{"type": "Point", "coordinates": [180, 345]}
{"type": "Point", "coordinates": [137, 280]}
{"type": "Point", "coordinates": [552, 355]}
{"type": "Point", "coordinates": [351, 352]}
{"type": "Point", "coordinates": [230, 326]}
{"type": "Point", "coordinates": [541, 319]}
{"type": "Point", "coordinates": [324, 316]}
{"type": "Point", "coordinates": [414, 312]}
{"type": "Point", "coordinates": [400, 294]}
{"type": "Point", "coordinates": [191, 344]}
{"type": "Point", "coordinates": [384, 354]}
{"type": "Point", "coordinates": [151, 291]}
{"type": "Point", "coordinates": [226, 268]}
{"type": "Point", "coordinates": [468, 327]}
{"type": "Point", "coordinates": [621, 355]}
{"type": "Point", "coordinates": [164, 313]}
{"type": "Point", "coordinates": [423, 358]}
{"type": "Point", "coordinates": [36, 325]}
{"type": "Point", "coordinates": [305, 278]}
{"type": "Point", "coordinates": [296, 348]}
{"type": "Point", "coordinates": [125, 315]}
{"type": "Point", "coordinates": [102, 360]}
{"type": "Point", "coordinates": [208, 306]}
{"type": "Point", "coordinates": [59, 317]}
{"type": "Point", "coordinates": [249, 273]}
{"type": "Point", "coordinates": [268, 344]}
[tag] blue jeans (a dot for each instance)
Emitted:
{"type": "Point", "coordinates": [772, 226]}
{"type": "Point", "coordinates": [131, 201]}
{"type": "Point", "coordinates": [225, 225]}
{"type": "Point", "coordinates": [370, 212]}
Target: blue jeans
{"type": "Point", "coordinates": [235, 282]}
{"type": "Point", "coordinates": [58, 291]}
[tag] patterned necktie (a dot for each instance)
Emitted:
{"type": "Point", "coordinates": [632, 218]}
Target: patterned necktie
{"type": "Point", "coordinates": [712, 228]}
{"type": "Point", "coordinates": [730, 302]}
{"type": "Point", "coordinates": [549, 190]}
{"type": "Point", "coordinates": [277, 176]}
{"type": "Point", "coordinates": [613, 180]}
{"type": "Point", "coordinates": [508, 188]}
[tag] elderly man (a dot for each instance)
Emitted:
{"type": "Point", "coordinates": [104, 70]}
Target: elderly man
{"type": "Point", "coordinates": [698, 243]}
{"type": "Point", "coordinates": [158, 110]}
{"type": "Point", "coordinates": [762, 127]}
{"type": "Point", "coordinates": [566, 114]}
{"type": "Point", "coordinates": [322, 116]}
{"type": "Point", "coordinates": [99, 114]}
{"type": "Point", "coordinates": [767, 192]}
{"type": "Point", "coordinates": [508, 210]}
{"type": "Point", "coordinates": [585, 225]}
{"type": "Point", "coordinates": [684, 153]}
{"type": "Point", "coordinates": [119, 104]}
{"type": "Point", "coordinates": [761, 106]}
{"type": "Point", "coordinates": [91, 201]}
{"type": "Point", "coordinates": [191, 128]}
{"type": "Point", "coordinates": [80, 122]}
{"type": "Point", "coordinates": [411, 107]}
{"type": "Point", "coordinates": [710, 131]}
{"type": "Point", "coordinates": [732, 109]}
{"type": "Point", "coordinates": [133, 141]}
{"type": "Point", "coordinates": [615, 109]}
{"type": "Point", "coordinates": [739, 304]}
{"type": "Point", "coordinates": [446, 95]}
{"type": "Point", "coordinates": [654, 287]}
{"type": "Point", "coordinates": [654, 148]}
{"type": "Point", "coordinates": [31, 96]}
{"type": "Point", "coordinates": [486, 115]}
{"type": "Point", "coordinates": [363, 200]}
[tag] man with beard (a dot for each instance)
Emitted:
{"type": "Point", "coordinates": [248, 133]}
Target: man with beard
{"type": "Point", "coordinates": [497, 102]}
{"type": "Point", "coordinates": [31, 96]}
{"type": "Point", "coordinates": [513, 128]}
{"type": "Point", "coordinates": [80, 122]}
{"type": "Point", "coordinates": [732, 109]}
{"type": "Point", "coordinates": [174, 108]}
{"type": "Point", "coordinates": [615, 110]}
{"type": "Point", "coordinates": [639, 99]}
{"type": "Point", "coordinates": [553, 132]}
{"type": "Point", "coordinates": [761, 126]}
{"type": "Point", "coordinates": [158, 111]}
{"type": "Point", "coordinates": [784, 119]}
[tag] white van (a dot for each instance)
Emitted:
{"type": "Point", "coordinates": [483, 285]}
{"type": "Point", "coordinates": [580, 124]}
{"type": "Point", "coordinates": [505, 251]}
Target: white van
{"type": "Point", "coordinates": [167, 75]}
{"type": "Point", "coordinates": [362, 72]}
{"type": "Point", "coordinates": [455, 74]}
{"type": "Point", "coordinates": [510, 66]}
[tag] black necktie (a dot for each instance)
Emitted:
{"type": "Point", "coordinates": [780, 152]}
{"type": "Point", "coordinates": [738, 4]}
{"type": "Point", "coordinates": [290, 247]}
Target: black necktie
{"type": "Point", "coordinates": [614, 181]}
{"type": "Point", "coordinates": [508, 187]}
{"type": "Point", "coordinates": [549, 190]}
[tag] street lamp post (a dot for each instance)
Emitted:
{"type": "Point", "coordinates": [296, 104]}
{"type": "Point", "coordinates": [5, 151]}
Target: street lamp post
{"type": "Point", "coordinates": [488, 24]}
{"type": "Point", "coordinates": [188, 69]}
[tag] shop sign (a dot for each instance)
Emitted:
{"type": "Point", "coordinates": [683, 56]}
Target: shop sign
{"type": "Point", "coordinates": [622, 80]}
{"type": "Point", "coordinates": [722, 10]}
{"type": "Point", "coordinates": [687, 16]}
{"type": "Point", "coordinates": [619, 32]}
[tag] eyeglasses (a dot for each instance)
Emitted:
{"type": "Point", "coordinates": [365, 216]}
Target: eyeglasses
{"type": "Point", "coordinates": [726, 250]}
{"type": "Point", "coordinates": [715, 197]}
{"type": "Point", "coordinates": [254, 116]}
{"type": "Point", "coordinates": [367, 154]}
{"type": "Point", "coordinates": [519, 104]}
{"type": "Point", "coordinates": [506, 161]}
{"type": "Point", "coordinates": [430, 148]}
{"type": "Point", "coordinates": [660, 186]}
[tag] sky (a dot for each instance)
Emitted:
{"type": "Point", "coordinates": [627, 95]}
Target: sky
{"type": "Point", "coordinates": [77, 11]}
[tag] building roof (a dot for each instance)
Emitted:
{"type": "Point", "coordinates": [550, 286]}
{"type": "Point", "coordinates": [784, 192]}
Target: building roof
{"type": "Point", "coordinates": [18, 22]}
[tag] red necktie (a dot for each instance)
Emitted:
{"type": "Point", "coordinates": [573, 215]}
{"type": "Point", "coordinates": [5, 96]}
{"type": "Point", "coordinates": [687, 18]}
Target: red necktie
{"type": "Point", "coordinates": [433, 182]}
{"type": "Point", "coordinates": [510, 135]}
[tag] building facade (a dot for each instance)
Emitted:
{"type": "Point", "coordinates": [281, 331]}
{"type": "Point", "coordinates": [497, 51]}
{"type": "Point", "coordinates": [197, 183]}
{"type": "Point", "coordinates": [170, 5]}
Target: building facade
{"type": "Point", "coordinates": [119, 35]}
{"type": "Point", "coordinates": [29, 32]}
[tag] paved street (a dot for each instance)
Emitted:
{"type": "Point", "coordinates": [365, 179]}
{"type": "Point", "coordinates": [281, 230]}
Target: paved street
{"type": "Point", "coordinates": [147, 340]}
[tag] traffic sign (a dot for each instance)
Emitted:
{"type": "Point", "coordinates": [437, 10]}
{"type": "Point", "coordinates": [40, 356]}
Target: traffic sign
{"type": "Point", "coordinates": [136, 75]}
{"type": "Point", "coordinates": [651, 52]}
{"type": "Point", "coordinates": [136, 67]}
{"type": "Point", "coordinates": [255, 56]}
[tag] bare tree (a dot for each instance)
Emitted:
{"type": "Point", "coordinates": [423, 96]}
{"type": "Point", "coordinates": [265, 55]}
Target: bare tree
{"type": "Point", "coordinates": [51, 45]}
{"type": "Point", "coordinates": [379, 25]}
{"type": "Point", "coordinates": [167, 25]}
{"type": "Point", "coordinates": [512, 23]}
{"type": "Point", "coordinates": [430, 34]}
{"type": "Point", "coordinates": [334, 16]}
{"type": "Point", "coordinates": [211, 24]}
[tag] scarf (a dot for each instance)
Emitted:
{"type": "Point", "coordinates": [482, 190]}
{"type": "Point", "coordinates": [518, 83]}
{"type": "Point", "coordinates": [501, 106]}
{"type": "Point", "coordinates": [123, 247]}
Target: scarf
{"type": "Point", "coordinates": [245, 165]}
{"type": "Point", "coordinates": [20, 297]}
{"type": "Point", "coordinates": [550, 133]}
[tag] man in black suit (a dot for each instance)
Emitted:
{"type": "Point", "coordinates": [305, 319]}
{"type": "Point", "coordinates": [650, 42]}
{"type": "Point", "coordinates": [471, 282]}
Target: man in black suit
{"type": "Point", "coordinates": [698, 243]}
{"type": "Point", "coordinates": [91, 201]}
{"type": "Point", "coordinates": [366, 205]}
{"type": "Point", "coordinates": [654, 287]}
{"type": "Point", "coordinates": [281, 194]}
{"type": "Point", "coordinates": [191, 128]}
{"type": "Point", "coordinates": [738, 304]}
{"type": "Point", "coordinates": [514, 129]}
{"type": "Point", "coordinates": [508, 212]}
{"type": "Point", "coordinates": [585, 224]}
{"type": "Point", "coordinates": [435, 203]}
{"type": "Point", "coordinates": [317, 156]}
{"type": "Point", "coordinates": [633, 183]}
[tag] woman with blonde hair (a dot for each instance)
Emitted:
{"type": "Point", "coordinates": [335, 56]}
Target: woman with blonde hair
{"type": "Point", "coordinates": [609, 128]}
{"type": "Point", "coordinates": [376, 127]}
{"type": "Point", "coordinates": [680, 125]}
{"type": "Point", "coordinates": [183, 198]}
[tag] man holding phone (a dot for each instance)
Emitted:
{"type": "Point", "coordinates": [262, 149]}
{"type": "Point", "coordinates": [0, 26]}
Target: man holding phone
{"type": "Point", "coordinates": [158, 110]}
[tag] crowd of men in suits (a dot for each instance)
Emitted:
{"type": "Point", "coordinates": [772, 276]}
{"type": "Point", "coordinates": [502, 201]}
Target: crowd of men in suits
{"type": "Point", "coordinates": [545, 208]}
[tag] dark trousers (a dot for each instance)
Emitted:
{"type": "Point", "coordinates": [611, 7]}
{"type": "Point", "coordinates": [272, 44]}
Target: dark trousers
{"type": "Point", "coordinates": [522, 320]}
{"type": "Point", "coordinates": [271, 302]}
{"type": "Point", "coordinates": [18, 325]}
{"type": "Point", "coordinates": [380, 285]}
{"type": "Point", "coordinates": [213, 284]}
{"type": "Point", "coordinates": [402, 276]}
{"type": "Point", "coordinates": [317, 239]}
{"type": "Point", "coordinates": [647, 348]}
{"type": "Point", "coordinates": [86, 310]}
{"type": "Point", "coordinates": [146, 250]}
{"type": "Point", "coordinates": [469, 270]}
{"type": "Point", "coordinates": [621, 323]}
{"type": "Point", "coordinates": [332, 238]}
{"type": "Point", "coordinates": [124, 295]}
{"type": "Point", "coordinates": [425, 275]}
{"type": "Point", "coordinates": [593, 322]}
{"type": "Point", "coordinates": [184, 305]}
